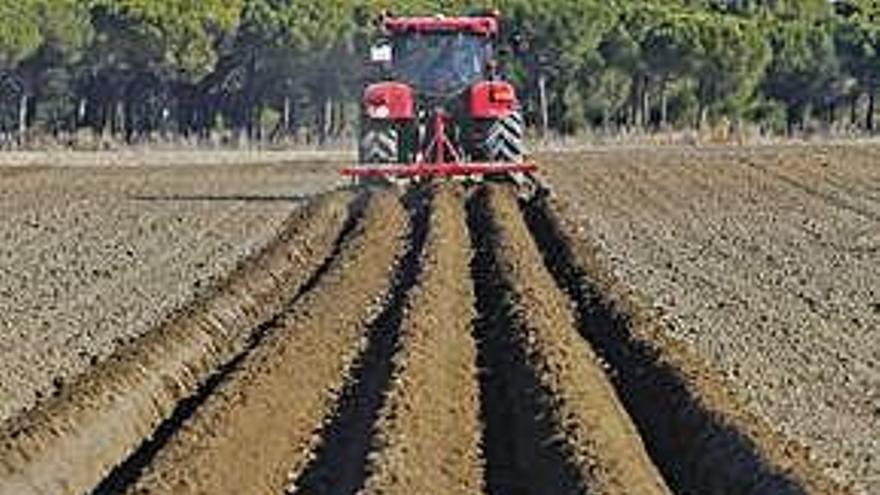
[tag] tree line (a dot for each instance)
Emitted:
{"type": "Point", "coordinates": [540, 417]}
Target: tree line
{"type": "Point", "coordinates": [139, 70]}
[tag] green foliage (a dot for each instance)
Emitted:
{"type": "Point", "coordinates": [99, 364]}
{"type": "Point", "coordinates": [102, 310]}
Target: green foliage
{"type": "Point", "coordinates": [192, 63]}
{"type": "Point", "coordinates": [736, 55]}
{"type": "Point", "coordinates": [804, 65]}
{"type": "Point", "coordinates": [182, 30]}
{"type": "Point", "coordinates": [858, 42]}
{"type": "Point", "coordinates": [19, 30]}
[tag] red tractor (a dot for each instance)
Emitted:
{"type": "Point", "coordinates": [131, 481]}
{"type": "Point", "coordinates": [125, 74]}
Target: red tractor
{"type": "Point", "coordinates": [440, 108]}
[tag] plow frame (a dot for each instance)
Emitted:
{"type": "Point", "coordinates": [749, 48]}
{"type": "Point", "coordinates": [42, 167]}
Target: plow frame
{"type": "Point", "coordinates": [444, 160]}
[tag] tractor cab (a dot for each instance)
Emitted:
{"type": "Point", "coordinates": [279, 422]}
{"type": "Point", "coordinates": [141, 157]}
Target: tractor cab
{"type": "Point", "coordinates": [441, 57]}
{"type": "Point", "coordinates": [439, 110]}
{"type": "Point", "coordinates": [440, 64]}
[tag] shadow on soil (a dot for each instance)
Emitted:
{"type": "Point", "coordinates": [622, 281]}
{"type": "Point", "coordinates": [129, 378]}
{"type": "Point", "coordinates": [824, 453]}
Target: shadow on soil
{"type": "Point", "coordinates": [523, 455]}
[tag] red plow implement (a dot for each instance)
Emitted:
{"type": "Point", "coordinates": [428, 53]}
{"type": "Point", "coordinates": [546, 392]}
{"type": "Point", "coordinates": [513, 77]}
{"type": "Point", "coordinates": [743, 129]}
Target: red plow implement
{"type": "Point", "coordinates": [443, 161]}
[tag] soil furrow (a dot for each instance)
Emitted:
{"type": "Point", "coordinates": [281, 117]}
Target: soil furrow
{"type": "Point", "coordinates": [519, 446]}
{"type": "Point", "coordinates": [69, 443]}
{"type": "Point", "coordinates": [262, 419]}
{"type": "Point", "coordinates": [600, 445]}
{"type": "Point", "coordinates": [702, 440]}
{"type": "Point", "coordinates": [339, 464]}
{"type": "Point", "coordinates": [428, 438]}
{"type": "Point", "coordinates": [842, 203]}
{"type": "Point", "coordinates": [125, 474]}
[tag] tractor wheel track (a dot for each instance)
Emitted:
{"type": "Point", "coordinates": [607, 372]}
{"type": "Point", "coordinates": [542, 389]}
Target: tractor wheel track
{"type": "Point", "coordinates": [106, 414]}
{"type": "Point", "coordinates": [260, 424]}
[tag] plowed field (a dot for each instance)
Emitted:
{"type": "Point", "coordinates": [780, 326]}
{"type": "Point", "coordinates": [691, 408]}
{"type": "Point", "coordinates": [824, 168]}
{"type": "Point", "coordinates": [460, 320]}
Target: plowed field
{"type": "Point", "coordinates": [92, 258]}
{"type": "Point", "coordinates": [766, 263]}
{"type": "Point", "coordinates": [447, 339]}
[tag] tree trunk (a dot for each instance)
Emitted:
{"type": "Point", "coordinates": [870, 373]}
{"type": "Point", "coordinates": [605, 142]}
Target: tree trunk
{"type": "Point", "coordinates": [854, 110]}
{"type": "Point", "coordinates": [832, 113]}
{"type": "Point", "coordinates": [335, 122]}
{"type": "Point", "coordinates": [286, 115]}
{"type": "Point", "coordinates": [645, 103]}
{"type": "Point", "coordinates": [805, 117]}
{"type": "Point", "coordinates": [328, 117]}
{"type": "Point", "coordinates": [325, 119]}
{"type": "Point", "coordinates": [341, 118]}
{"type": "Point", "coordinates": [630, 113]}
{"type": "Point", "coordinates": [699, 117]}
{"type": "Point", "coordinates": [636, 112]}
{"type": "Point", "coordinates": [81, 112]}
{"type": "Point", "coordinates": [119, 119]}
{"type": "Point", "coordinates": [869, 115]}
{"type": "Point", "coordinates": [664, 105]}
{"type": "Point", "coordinates": [22, 119]}
{"type": "Point", "coordinates": [106, 120]}
{"type": "Point", "coordinates": [257, 131]}
{"type": "Point", "coordinates": [545, 108]}
{"type": "Point", "coordinates": [162, 123]}
{"type": "Point", "coordinates": [250, 95]}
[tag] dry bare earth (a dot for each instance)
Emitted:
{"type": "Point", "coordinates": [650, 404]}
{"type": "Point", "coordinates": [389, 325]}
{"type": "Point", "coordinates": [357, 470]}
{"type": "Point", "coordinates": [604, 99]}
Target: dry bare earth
{"type": "Point", "coordinates": [70, 442]}
{"type": "Point", "coordinates": [598, 447]}
{"type": "Point", "coordinates": [426, 341]}
{"type": "Point", "coordinates": [261, 422]}
{"type": "Point", "coordinates": [428, 438]}
{"type": "Point", "coordinates": [152, 156]}
{"type": "Point", "coordinates": [91, 258]}
{"type": "Point", "coordinates": [407, 376]}
{"type": "Point", "coordinates": [767, 263]}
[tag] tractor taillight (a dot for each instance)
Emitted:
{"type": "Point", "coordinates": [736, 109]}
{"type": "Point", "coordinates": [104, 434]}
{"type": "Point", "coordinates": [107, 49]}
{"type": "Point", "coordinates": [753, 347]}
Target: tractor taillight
{"type": "Point", "coordinates": [380, 111]}
{"type": "Point", "coordinates": [377, 106]}
{"type": "Point", "coordinates": [502, 94]}
{"type": "Point", "coordinates": [492, 99]}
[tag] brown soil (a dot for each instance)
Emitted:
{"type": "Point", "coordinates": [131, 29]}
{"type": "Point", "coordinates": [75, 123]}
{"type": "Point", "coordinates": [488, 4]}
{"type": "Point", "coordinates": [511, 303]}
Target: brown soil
{"type": "Point", "coordinates": [258, 427]}
{"type": "Point", "coordinates": [764, 263]}
{"type": "Point", "coordinates": [428, 438]}
{"type": "Point", "coordinates": [635, 333]}
{"type": "Point", "coordinates": [685, 411]}
{"type": "Point", "coordinates": [92, 258]}
{"type": "Point", "coordinates": [593, 429]}
{"type": "Point", "coordinates": [107, 412]}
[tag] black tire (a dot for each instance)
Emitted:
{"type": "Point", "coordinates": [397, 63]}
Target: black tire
{"type": "Point", "coordinates": [380, 143]}
{"type": "Point", "coordinates": [503, 140]}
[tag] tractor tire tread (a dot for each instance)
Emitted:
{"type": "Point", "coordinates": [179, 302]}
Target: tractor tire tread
{"type": "Point", "coordinates": [379, 144]}
{"type": "Point", "coordinates": [504, 139]}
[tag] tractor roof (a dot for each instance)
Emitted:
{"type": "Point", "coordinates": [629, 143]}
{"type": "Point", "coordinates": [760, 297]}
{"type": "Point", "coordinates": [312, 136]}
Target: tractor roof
{"type": "Point", "coordinates": [486, 26]}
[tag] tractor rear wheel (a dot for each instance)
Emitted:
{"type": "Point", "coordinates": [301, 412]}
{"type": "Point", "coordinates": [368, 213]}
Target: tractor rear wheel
{"type": "Point", "coordinates": [379, 143]}
{"type": "Point", "coordinates": [503, 140]}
